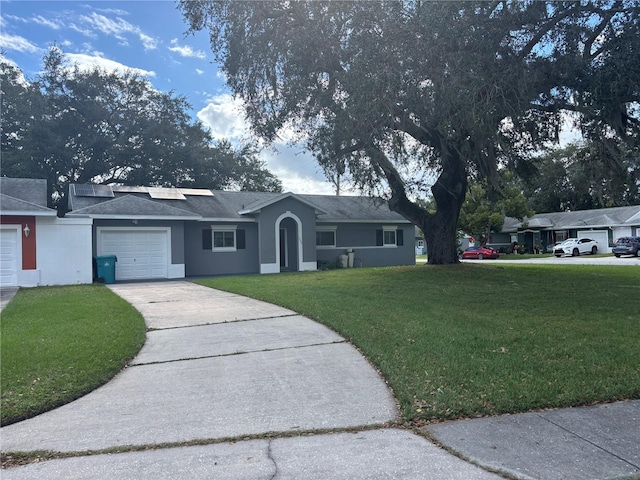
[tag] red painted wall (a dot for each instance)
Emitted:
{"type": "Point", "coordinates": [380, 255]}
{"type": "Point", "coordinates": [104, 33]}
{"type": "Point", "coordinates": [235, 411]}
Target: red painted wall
{"type": "Point", "coordinates": [28, 243]}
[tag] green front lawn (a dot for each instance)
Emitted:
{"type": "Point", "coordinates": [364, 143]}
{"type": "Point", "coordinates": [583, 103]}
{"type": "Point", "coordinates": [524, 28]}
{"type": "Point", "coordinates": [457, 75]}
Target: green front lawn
{"type": "Point", "coordinates": [453, 341]}
{"type": "Point", "coordinates": [468, 340]}
{"type": "Point", "coordinates": [58, 343]}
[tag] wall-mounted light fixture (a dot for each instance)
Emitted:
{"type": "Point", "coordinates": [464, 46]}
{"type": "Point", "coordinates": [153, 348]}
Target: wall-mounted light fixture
{"type": "Point", "coordinates": [26, 230]}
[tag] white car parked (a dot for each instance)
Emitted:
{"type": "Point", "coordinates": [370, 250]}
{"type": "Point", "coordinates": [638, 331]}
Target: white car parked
{"type": "Point", "coordinates": [575, 247]}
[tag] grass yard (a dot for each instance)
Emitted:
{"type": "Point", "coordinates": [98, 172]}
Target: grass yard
{"type": "Point", "coordinates": [58, 343]}
{"type": "Point", "coordinates": [469, 340]}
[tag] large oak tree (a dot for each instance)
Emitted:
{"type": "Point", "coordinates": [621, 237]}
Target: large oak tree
{"type": "Point", "coordinates": [78, 126]}
{"type": "Point", "coordinates": [385, 91]}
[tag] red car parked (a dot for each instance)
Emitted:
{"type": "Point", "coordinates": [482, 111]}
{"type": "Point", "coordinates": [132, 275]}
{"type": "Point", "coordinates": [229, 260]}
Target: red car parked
{"type": "Point", "coordinates": [480, 253]}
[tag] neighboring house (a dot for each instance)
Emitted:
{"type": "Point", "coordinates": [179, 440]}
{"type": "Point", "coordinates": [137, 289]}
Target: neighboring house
{"type": "Point", "coordinates": [175, 232]}
{"type": "Point", "coordinates": [421, 244]}
{"type": "Point", "coordinates": [604, 225]}
{"type": "Point", "coordinates": [37, 247]}
{"type": "Point", "coordinates": [464, 241]}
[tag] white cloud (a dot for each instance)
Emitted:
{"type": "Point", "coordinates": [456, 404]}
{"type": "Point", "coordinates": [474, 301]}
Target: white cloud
{"type": "Point", "coordinates": [86, 62]}
{"type": "Point", "coordinates": [199, 72]}
{"type": "Point", "coordinates": [17, 43]}
{"type": "Point", "coordinates": [224, 117]}
{"type": "Point", "coordinates": [117, 28]}
{"type": "Point", "coordinates": [297, 170]}
{"type": "Point", "coordinates": [86, 31]}
{"type": "Point", "coordinates": [108, 26]}
{"type": "Point", "coordinates": [46, 22]}
{"type": "Point", "coordinates": [185, 50]}
{"type": "Point", "coordinates": [148, 42]}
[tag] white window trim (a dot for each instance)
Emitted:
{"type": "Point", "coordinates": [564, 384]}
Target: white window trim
{"type": "Point", "coordinates": [333, 229]}
{"type": "Point", "coordinates": [224, 228]}
{"type": "Point", "coordinates": [390, 228]}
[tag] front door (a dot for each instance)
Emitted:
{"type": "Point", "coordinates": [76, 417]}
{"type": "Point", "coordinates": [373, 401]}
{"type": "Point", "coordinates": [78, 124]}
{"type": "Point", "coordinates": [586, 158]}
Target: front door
{"type": "Point", "coordinates": [288, 245]}
{"type": "Point", "coordinates": [284, 251]}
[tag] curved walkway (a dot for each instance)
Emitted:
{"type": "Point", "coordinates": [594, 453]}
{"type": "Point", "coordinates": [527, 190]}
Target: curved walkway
{"type": "Point", "coordinates": [230, 387]}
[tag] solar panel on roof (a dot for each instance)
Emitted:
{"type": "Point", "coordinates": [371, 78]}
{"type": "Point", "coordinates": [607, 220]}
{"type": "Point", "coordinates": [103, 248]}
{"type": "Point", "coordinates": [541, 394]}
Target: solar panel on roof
{"type": "Point", "coordinates": [90, 190]}
{"type": "Point", "coordinates": [196, 192]}
{"type": "Point", "coordinates": [160, 193]}
{"type": "Point", "coordinates": [128, 189]}
{"type": "Point", "coordinates": [83, 190]}
{"type": "Point", "coordinates": [102, 191]}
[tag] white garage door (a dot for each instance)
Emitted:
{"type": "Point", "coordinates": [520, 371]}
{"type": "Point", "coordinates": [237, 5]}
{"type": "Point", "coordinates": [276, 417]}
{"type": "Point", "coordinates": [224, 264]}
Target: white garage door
{"type": "Point", "coordinates": [142, 254]}
{"type": "Point", "coordinates": [9, 256]}
{"type": "Point", "coordinates": [600, 236]}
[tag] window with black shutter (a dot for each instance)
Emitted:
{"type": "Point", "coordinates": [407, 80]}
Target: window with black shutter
{"type": "Point", "coordinates": [240, 240]}
{"type": "Point", "coordinates": [206, 239]}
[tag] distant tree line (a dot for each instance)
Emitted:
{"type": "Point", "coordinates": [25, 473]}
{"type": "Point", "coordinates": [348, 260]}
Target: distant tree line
{"type": "Point", "coordinates": [71, 125]}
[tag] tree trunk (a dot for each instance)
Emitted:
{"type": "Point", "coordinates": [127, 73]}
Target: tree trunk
{"type": "Point", "coordinates": [440, 233]}
{"type": "Point", "coordinates": [440, 229]}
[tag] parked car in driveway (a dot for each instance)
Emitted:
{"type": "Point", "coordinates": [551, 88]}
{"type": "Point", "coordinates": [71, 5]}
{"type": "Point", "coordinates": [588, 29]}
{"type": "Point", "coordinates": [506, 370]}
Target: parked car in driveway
{"type": "Point", "coordinates": [551, 247]}
{"type": "Point", "coordinates": [627, 246]}
{"type": "Point", "coordinates": [575, 247]}
{"type": "Point", "coordinates": [480, 252]}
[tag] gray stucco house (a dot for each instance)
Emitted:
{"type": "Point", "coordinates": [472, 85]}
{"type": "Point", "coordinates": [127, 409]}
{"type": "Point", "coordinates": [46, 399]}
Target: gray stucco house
{"type": "Point", "coordinates": [175, 232]}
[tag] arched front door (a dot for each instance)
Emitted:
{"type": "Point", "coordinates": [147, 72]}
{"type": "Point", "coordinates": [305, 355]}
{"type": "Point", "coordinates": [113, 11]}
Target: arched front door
{"type": "Point", "coordinates": [289, 242]}
{"type": "Point", "coordinates": [288, 236]}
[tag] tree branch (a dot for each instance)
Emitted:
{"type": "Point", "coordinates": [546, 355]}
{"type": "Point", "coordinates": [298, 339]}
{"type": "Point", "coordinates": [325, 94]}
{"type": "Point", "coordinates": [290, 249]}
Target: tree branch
{"type": "Point", "coordinates": [399, 202]}
{"type": "Point", "coordinates": [544, 29]}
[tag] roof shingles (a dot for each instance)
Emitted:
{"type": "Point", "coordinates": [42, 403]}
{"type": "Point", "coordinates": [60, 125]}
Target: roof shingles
{"type": "Point", "coordinates": [228, 205]}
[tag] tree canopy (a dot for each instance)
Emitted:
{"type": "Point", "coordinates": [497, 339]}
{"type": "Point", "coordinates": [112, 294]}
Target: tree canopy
{"type": "Point", "coordinates": [388, 91]}
{"type": "Point", "coordinates": [582, 176]}
{"type": "Point", "coordinates": [72, 125]}
{"type": "Point", "coordinates": [485, 207]}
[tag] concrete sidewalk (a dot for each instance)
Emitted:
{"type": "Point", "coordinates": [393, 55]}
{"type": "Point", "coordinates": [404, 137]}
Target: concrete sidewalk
{"type": "Point", "coordinates": [227, 387]}
{"type": "Point", "coordinates": [598, 442]}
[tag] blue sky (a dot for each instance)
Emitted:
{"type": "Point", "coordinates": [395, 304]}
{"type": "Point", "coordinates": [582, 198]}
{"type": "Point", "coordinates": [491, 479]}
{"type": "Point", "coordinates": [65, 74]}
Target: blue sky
{"type": "Point", "coordinates": [150, 37]}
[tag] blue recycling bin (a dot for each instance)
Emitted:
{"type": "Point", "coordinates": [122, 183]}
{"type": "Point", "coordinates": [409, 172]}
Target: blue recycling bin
{"type": "Point", "coordinates": [106, 268]}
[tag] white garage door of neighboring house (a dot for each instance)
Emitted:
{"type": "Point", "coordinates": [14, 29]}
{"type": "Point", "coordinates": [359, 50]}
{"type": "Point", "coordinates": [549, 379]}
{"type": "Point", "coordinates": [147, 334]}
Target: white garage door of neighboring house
{"type": "Point", "coordinates": [141, 254]}
{"type": "Point", "coordinates": [9, 256]}
{"type": "Point", "coordinates": [600, 236]}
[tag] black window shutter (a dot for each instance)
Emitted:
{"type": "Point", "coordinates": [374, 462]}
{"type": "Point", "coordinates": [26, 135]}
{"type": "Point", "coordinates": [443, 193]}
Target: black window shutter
{"type": "Point", "coordinates": [399, 237]}
{"type": "Point", "coordinates": [206, 239]}
{"type": "Point", "coordinates": [240, 240]}
{"type": "Point", "coordinates": [379, 238]}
